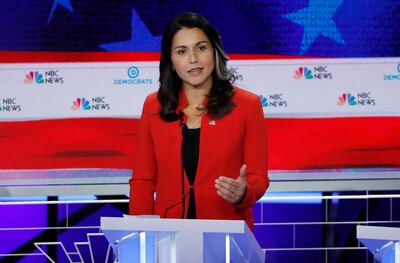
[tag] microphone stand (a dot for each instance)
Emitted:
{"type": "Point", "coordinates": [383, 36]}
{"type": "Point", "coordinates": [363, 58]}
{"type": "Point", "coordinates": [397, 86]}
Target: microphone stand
{"type": "Point", "coordinates": [182, 169]}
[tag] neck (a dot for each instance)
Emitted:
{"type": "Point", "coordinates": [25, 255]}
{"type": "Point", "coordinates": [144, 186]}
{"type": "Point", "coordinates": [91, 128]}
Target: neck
{"type": "Point", "coordinates": [196, 95]}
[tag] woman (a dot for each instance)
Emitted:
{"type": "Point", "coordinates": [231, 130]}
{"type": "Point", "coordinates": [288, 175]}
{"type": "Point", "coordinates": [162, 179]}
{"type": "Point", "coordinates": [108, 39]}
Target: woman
{"type": "Point", "coordinates": [202, 142]}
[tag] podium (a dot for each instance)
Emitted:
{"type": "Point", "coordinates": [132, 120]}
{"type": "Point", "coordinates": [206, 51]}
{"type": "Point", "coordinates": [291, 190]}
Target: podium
{"type": "Point", "coordinates": [137, 239]}
{"type": "Point", "coordinates": [383, 242]}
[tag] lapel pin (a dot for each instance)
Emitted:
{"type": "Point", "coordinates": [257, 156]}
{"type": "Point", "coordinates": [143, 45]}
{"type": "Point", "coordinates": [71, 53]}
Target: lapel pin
{"type": "Point", "coordinates": [211, 122]}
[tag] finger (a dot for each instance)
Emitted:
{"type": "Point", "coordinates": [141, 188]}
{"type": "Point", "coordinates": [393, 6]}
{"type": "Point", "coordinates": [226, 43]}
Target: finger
{"type": "Point", "coordinates": [242, 174]}
{"type": "Point", "coordinates": [224, 196]}
{"type": "Point", "coordinates": [228, 196]}
{"type": "Point", "coordinates": [222, 185]}
{"type": "Point", "coordinates": [225, 192]}
{"type": "Point", "coordinates": [227, 183]}
{"type": "Point", "coordinates": [228, 191]}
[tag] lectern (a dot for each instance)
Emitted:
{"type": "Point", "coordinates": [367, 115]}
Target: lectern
{"type": "Point", "coordinates": [383, 242]}
{"type": "Point", "coordinates": [137, 239]}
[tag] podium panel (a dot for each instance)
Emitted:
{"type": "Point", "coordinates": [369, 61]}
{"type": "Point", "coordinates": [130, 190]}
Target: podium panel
{"type": "Point", "coordinates": [136, 239]}
{"type": "Point", "coordinates": [382, 242]}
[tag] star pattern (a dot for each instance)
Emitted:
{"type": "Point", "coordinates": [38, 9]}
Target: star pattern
{"type": "Point", "coordinates": [320, 28]}
{"type": "Point", "coordinates": [64, 3]}
{"type": "Point", "coordinates": [317, 19]}
{"type": "Point", "coordinates": [141, 39]}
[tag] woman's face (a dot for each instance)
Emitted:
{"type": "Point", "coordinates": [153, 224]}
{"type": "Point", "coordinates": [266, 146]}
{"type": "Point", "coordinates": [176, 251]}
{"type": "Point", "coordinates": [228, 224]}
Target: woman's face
{"type": "Point", "coordinates": [192, 57]}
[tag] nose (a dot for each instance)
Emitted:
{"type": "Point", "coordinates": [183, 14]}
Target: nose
{"type": "Point", "coordinates": [193, 58]}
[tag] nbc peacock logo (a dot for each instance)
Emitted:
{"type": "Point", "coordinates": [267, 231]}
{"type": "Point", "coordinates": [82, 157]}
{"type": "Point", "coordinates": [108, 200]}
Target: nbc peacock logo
{"type": "Point", "coordinates": [264, 101]}
{"type": "Point", "coordinates": [81, 103]}
{"type": "Point", "coordinates": [303, 72]}
{"type": "Point", "coordinates": [34, 77]}
{"type": "Point", "coordinates": [346, 97]}
{"type": "Point", "coordinates": [274, 100]}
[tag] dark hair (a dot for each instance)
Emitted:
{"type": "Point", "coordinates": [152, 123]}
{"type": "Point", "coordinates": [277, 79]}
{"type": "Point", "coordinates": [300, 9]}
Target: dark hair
{"type": "Point", "coordinates": [219, 101]}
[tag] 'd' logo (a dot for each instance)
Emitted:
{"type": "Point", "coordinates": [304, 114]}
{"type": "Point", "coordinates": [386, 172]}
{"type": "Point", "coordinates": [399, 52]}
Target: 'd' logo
{"type": "Point", "coordinates": [393, 75]}
{"type": "Point", "coordinates": [133, 72]}
{"type": "Point", "coordinates": [350, 99]}
{"type": "Point", "coordinates": [303, 72]}
{"type": "Point", "coordinates": [34, 76]}
{"type": "Point", "coordinates": [81, 103]}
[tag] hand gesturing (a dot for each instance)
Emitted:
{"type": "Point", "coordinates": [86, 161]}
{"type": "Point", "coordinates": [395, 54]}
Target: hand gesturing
{"type": "Point", "coordinates": [232, 190]}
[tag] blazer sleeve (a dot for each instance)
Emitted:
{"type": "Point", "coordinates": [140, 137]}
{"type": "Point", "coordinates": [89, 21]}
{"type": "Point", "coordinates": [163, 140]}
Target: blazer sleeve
{"type": "Point", "coordinates": [255, 154]}
{"type": "Point", "coordinates": [144, 178]}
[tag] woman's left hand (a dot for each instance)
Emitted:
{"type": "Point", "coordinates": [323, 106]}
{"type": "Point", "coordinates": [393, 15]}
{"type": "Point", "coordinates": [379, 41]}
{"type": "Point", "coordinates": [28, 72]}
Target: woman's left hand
{"type": "Point", "coordinates": [232, 190]}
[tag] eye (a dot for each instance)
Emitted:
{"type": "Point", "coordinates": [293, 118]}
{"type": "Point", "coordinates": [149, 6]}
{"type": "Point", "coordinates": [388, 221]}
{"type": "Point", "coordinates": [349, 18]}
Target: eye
{"type": "Point", "coordinates": [202, 48]}
{"type": "Point", "coordinates": [181, 51]}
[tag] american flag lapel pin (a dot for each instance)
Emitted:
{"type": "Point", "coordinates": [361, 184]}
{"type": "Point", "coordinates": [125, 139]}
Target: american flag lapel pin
{"type": "Point", "coordinates": [211, 122]}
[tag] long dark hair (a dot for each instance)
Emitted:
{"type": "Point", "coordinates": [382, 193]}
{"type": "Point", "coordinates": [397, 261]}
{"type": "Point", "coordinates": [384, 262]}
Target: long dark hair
{"type": "Point", "coordinates": [219, 101]}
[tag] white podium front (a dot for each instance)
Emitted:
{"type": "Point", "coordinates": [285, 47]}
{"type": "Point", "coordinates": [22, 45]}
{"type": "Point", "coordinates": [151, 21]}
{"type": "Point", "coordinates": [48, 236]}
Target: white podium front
{"type": "Point", "coordinates": [136, 239]}
{"type": "Point", "coordinates": [383, 242]}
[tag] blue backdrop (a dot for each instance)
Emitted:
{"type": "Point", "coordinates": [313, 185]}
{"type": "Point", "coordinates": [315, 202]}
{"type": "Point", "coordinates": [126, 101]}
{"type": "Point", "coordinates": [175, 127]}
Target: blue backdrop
{"type": "Point", "coordinates": [326, 28]}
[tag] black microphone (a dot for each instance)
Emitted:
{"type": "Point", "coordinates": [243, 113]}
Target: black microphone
{"type": "Point", "coordinates": [183, 130]}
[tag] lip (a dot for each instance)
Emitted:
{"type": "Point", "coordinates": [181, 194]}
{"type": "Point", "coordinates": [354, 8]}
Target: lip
{"type": "Point", "coordinates": [195, 70]}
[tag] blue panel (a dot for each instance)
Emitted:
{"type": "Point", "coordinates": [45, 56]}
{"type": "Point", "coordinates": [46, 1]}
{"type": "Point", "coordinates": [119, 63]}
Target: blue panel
{"type": "Point", "coordinates": [326, 235]}
{"type": "Point", "coordinates": [60, 256]}
{"type": "Point", "coordinates": [379, 209]}
{"type": "Point", "coordinates": [257, 212]}
{"type": "Point", "coordinates": [347, 210]}
{"type": "Point", "coordinates": [341, 235]}
{"type": "Point", "coordinates": [84, 251]}
{"type": "Point", "coordinates": [28, 259]}
{"type": "Point", "coordinates": [311, 235]}
{"type": "Point", "coordinates": [16, 216]}
{"type": "Point", "coordinates": [293, 212]}
{"type": "Point", "coordinates": [348, 256]}
{"type": "Point", "coordinates": [295, 256]}
{"type": "Point", "coordinates": [276, 236]}
{"type": "Point", "coordinates": [74, 235]}
{"type": "Point", "coordinates": [11, 240]}
{"type": "Point", "coordinates": [95, 211]}
{"type": "Point", "coordinates": [396, 209]}
{"type": "Point", "coordinates": [99, 245]}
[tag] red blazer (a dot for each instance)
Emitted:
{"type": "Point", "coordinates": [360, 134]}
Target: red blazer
{"type": "Point", "coordinates": [225, 144]}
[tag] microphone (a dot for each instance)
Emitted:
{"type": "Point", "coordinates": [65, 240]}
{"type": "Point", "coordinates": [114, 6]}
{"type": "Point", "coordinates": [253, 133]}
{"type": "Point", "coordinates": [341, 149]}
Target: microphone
{"type": "Point", "coordinates": [183, 130]}
{"type": "Point", "coordinates": [181, 122]}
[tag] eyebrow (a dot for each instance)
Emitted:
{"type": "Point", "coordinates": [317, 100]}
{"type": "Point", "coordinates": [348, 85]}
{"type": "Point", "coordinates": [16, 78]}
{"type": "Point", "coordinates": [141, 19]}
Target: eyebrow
{"type": "Point", "coordinates": [198, 43]}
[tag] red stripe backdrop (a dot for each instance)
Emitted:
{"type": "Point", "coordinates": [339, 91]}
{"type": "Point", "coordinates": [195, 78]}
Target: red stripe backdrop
{"type": "Point", "coordinates": [294, 144]}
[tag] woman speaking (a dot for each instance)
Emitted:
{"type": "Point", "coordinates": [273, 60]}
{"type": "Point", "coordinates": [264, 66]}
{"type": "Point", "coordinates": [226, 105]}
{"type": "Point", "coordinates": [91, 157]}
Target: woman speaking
{"type": "Point", "coordinates": [202, 150]}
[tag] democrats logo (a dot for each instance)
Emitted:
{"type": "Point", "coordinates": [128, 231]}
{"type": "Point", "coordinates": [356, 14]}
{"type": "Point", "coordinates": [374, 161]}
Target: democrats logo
{"type": "Point", "coordinates": [273, 100]}
{"type": "Point", "coordinates": [133, 72]}
{"type": "Point", "coordinates": [10, 105]}
{"type": "Point", "coordinates": [94, 103]}
{"type": "Point", "coordinates": [133, 78]}
{"type": "Point", "coordinates": [46, 77]}
{"type": "Point", "coordinates": [316, 72]}
{"type": "Point", "coordinates": [358, 99]}
{"type": "Point", "coordinates": [395, 76]}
